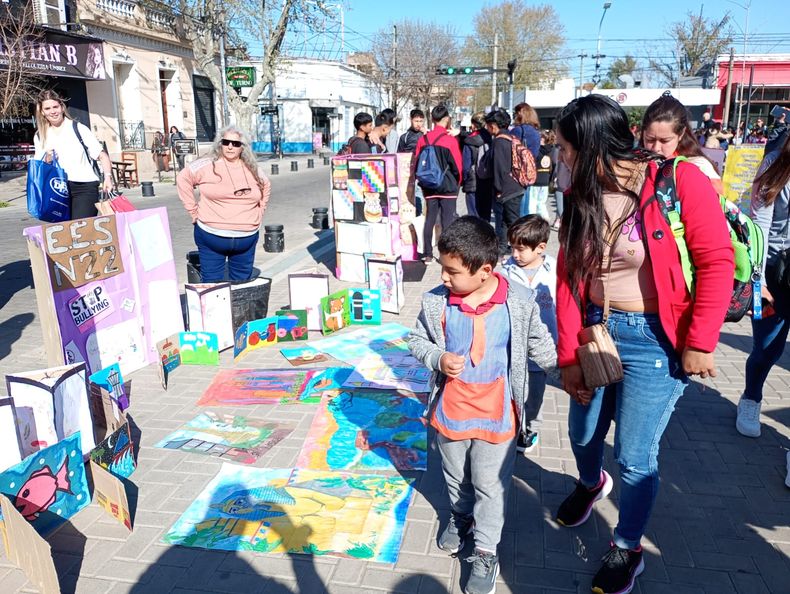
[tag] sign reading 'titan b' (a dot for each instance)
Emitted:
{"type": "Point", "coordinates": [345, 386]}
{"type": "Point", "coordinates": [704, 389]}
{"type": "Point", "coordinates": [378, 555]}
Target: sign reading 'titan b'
{"type": "Point", "coordinates": [82, 251]}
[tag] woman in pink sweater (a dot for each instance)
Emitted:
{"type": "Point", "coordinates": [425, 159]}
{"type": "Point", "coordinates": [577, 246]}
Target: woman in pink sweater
{"type": "Point", "coordinates": [233, 196]}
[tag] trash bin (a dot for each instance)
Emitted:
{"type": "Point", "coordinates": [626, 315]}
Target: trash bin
{"type": "Point", "coordinates": [148, 189]}
{"type": "Point", "coordinates": [249, 300]}
{"type": "Point", "coordinates": [320, 218]}
{"type": "Point", "coordinates": [193, 267]}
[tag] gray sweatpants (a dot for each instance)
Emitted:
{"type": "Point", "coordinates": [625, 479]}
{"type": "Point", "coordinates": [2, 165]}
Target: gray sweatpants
{"type": "Point", "coordinates": [533, 407]}
{"type": "Point", "coordinates": [478, 477]}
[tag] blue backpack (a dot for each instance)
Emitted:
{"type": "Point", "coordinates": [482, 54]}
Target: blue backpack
{"type": "Point", "coordinates": [429, 172]}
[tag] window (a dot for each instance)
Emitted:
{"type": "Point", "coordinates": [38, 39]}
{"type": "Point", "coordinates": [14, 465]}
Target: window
{"type": "Point", "coordinates": [205, 122]}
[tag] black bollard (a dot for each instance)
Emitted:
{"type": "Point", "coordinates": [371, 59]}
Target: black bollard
{"type": "Point", "coordinates": [193, 267]}
{"type": "Point", "coordinates": [275, 169]}
{"type": "Point", "coordinates": [326, 160]}
{"type": "Point", "coordinates": [320, 218]}
{"type": "Point", "coordinates": [273, 238]}
{"type": "Point", "coordinates": [310, 164]}
{"type": "Point", "coordinates": [294, 165]}
{"type": "Point", "coordinates": [148, 189]}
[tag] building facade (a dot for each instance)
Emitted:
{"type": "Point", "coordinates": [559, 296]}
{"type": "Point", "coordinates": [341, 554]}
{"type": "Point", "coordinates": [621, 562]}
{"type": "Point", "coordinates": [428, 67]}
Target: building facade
{"type": "Point", "coordinates": [770, 85]}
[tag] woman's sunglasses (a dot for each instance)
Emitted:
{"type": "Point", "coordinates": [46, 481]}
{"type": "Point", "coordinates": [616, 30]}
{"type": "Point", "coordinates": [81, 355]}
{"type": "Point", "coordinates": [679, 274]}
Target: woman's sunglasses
{"type": "Point", "coordinates": [233, 143]}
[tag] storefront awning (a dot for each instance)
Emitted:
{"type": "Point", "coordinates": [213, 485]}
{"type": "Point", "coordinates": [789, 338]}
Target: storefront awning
{"type": "Point", "coordinates": [57, 53]}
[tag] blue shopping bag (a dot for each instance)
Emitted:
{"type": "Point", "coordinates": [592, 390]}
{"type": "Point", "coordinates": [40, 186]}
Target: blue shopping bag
{"type": "Point", "coordinates": [47, 191]}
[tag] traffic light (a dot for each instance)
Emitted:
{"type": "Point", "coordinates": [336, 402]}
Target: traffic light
{"type": "Point", "coordinates": [452, 70]}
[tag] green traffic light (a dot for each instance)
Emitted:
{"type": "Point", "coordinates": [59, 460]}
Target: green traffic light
{"type": "Point", "coordinates": [451, 70]}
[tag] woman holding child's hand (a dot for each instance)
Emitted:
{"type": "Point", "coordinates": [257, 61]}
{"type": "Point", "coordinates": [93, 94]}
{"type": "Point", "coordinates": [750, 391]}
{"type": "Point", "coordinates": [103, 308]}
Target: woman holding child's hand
{"type": "Point", "coordinates": [619, 265]}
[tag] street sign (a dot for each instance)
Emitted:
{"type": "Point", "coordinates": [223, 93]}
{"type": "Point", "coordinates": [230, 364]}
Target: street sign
{"type": "Point", "coordinates": [268, 110]}
{"type": "Point", "coordinates": [240, 76]}
{"type": "Point", "coordinates": [185, 146]}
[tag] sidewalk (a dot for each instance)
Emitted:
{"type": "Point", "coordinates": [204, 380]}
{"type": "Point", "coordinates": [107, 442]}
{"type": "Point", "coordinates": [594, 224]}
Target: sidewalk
{"type": "Point", "coordinates": [721, 523]}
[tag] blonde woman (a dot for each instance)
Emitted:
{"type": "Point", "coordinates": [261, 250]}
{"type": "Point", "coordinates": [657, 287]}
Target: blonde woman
{"type": "Point", "coordinates": [75, 147]}
{"type": "Point", "coordinates": [233, 194]}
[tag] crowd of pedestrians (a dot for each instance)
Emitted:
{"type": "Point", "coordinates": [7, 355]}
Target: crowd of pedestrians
{"type": "Point", "coordinates": [504, 299]}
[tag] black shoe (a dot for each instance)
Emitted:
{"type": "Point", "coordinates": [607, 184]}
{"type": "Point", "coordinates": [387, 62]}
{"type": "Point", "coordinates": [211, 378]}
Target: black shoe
{"type": "Point", "coordinates": [452, 539]}
{"type": "Point", "coordinates": [577, 507]}
{"type": "Point", "coordinates": [485, 569]}
{"type": "Point", "coordinates": [618, 572]}
{"type": "Point", "coordinates": [527, 441]}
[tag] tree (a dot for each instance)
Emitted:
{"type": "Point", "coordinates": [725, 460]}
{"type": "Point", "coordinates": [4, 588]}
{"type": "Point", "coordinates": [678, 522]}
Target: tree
{"type": "Point", "coordinates": [698, 41]}
{"type": "Point", "coordinates": [407, 64]}
{"type": "Point", "coordinates": [533, 35]}
{"type": "Point", "coordinates": [619, 67]}
{"type": "Point", "coordinates": [205, 22]}
{"type": "Point", "coordinates": [19, 86]}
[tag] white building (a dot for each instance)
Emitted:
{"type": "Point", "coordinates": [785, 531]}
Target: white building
{"type": "Point", "coordinates": [316, 101]}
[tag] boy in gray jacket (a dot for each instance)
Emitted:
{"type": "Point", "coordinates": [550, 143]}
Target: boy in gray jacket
{"type": "Point", "coordinates": [477, 333]}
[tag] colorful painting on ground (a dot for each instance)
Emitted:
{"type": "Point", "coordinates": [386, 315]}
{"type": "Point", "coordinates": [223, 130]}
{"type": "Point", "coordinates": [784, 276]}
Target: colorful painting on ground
{"type": "Point", "coordinates": [232, 387]}
{"type": "Point", "coordinates": [297, 511]}
{"type": "Point", "coordinates": [364, 430]}
{"type": "Point", "coordinates": [291, 325]}
{"type": "Point", "coordinates": [253, 335]}
{"type": "Point", "coordinates": [335, 312]}
{"type": "Point", "coordinates": [235, 439]}
{"type": "Point", "coordinates": [116, 452]}
{"type": "Point", "coordinates": [303, 355]}
{"type": "Point", "coordinates": [364, 306]}
{"type": "Point", "coordinates": [49, 486]}
{"type": "Point", "coordinates": [398, 371]}
{"type": "Point", "coordinates": [351, 347]}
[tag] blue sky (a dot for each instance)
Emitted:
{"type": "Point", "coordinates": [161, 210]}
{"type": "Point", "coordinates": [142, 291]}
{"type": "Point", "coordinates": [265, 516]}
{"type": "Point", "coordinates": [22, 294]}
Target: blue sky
{"type": "Point", "coordinates": [637, 27]}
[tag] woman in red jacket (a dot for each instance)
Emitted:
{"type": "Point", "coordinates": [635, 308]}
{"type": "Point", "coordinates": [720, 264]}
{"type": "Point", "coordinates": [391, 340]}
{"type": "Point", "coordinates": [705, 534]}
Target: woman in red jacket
{"type": "Point", "coordinates": [630, 262]}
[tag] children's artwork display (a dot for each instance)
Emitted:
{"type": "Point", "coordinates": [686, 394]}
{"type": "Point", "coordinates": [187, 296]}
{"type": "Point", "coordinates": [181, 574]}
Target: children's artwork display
{"type": "Point", "coordinates": [116, 452]}
{"type": "Point", "coordinates": [50, 405]}
{"type": "Point", "coordinates": [235, 439]}
{"type": "Point", "coordinates": [254, 335]}
{"type": "Point", "coordinates": [297, 511]}
{"type": "Point", "coordinates": [110, 379]}
{"type": "Point", "coordinates": [186, 348]}
{"type": "Point", "coordinates": [303, 355]}
{"type": "Point", "coordinates": [351, 347]}
{"type": "Point", "coordinates": [106, 288]}
{"type": "Point", "coordinates": [10, 450]}
{"type": "Point", "coordinates": [364, 306]}
{"type": "Point", "coordinates": [232, 387]}
{"type": "Point", "coordinates": [386, 275]}
{"type": "Point", "coordinates": [110, 494]}
{"type": "Point", "coordinates": [209, 310]}
{"type": "Point", "coordinates": [49, 486]}
{"type": "Point", "coordinates": [291, 325]}
{"type": "Point", "coordinates": [363, 430]}
{"type": "Point", "coordinates": [335, 312]}
{"type": "Point", "coordinates": [305, 290]}
{"type": "Point", "coordinates": [398, 371]}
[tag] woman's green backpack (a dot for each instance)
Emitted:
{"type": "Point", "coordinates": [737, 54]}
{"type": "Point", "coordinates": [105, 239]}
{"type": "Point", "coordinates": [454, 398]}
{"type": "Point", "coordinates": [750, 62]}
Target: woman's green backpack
{"type": "Point", "coordinates": [747, 243]}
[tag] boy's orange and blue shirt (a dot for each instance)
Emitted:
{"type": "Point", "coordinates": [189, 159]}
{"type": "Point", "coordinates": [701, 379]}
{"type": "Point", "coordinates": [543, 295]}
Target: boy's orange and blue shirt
{"type": "Point", "coordinates": [478, 403]}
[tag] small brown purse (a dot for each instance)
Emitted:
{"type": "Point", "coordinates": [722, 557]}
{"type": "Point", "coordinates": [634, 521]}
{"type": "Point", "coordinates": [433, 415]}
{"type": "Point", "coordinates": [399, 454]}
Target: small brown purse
{"type": "Point", "coordinates": [597, 353]}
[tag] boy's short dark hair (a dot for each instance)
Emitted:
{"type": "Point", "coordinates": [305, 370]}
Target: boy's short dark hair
{"type": "Point", "coordinates": [382, 119]}
{"type": "Point", "coordinates": [500, 117]}
{"type": "Point", "coordinates": [529, 231]}
{"type": "Point", "coordinates": [472, 240]}
{"type": "Point", "coordinates": [416, 113]}
{"type": "Point", "coordinates": [361, 119]}
{"type": "Point", "coordinates": [392, 116]}
{"type": "Point", "coordinates": [439, 112]}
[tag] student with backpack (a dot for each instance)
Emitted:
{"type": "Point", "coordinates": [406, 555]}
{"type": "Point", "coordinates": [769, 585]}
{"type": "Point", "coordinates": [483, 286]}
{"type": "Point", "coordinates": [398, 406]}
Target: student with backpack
{"type": "Point", "coordinates": [359, 143]}
{"type": "Point", "coordinates": [536, 198]}
{"type": "Point", "coordinates": [437, 171]}
{"type": "Point", "coordinates": [473, 150]}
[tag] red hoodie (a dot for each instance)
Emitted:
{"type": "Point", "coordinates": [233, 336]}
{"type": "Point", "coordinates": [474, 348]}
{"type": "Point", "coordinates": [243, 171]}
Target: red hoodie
{"type": "Point", "coordinates": [695, 323]}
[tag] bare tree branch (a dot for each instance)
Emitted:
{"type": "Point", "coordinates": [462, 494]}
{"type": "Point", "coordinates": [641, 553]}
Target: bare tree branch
{"type": "Point", "coordinates": [18, 86]}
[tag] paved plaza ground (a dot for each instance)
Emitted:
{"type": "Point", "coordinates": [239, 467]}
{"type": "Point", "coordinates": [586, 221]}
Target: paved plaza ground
{"type": "Point", "coordinates": [721, 522]}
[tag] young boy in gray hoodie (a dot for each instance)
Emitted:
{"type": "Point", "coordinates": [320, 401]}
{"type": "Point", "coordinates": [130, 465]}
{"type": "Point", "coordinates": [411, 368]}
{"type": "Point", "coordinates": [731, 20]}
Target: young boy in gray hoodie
{"type": "Point", "coordinates": [477, 332]}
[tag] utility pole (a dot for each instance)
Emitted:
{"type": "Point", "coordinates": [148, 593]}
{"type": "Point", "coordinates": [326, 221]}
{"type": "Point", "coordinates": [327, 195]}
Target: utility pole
{"type": "Point", "coordinates": [493, 74]}
{"type": "Point", "coordinates": [511, 69]}
{"type": "Point", "coordinates": [581, 73]}
{"type": "Point", "coordinates": [394, 98]}
{"type": "Point", "coordinates": [728, 92]}
{"type": "Point", "coordinates": [598, 56]}
{"type": "Point", "coordinates": [748, 104]}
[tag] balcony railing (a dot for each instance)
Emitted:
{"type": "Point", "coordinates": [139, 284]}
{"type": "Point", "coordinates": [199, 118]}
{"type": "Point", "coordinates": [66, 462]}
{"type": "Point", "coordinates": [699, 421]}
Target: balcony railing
{"type": "Point", "coordinates": [157, 18]}
{"type": "Point", "coordinates": [154, 17]}
{"type": "Point", "coordinates": [132, 135]}
{"type": "Point", "coordinates": [123, 8]}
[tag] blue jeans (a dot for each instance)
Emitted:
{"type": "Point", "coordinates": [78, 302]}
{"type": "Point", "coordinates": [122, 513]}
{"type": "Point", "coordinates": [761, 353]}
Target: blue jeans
{"type": "Point", "coordinates": [214, 251]}
{"type": "Point", "coordinates": [640, 406]}
{"type": "Point", "coordinates": [769, 337]}
{"type": "Point", "coordinates": [471, 204]}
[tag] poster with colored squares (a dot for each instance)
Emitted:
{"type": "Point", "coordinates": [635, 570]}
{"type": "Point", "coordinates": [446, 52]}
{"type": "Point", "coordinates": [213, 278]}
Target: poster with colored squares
{"type": "Point", "coordinates": [116, 452]}
{"type": "Point", "coordinates": [49, 486]}
{"type": "Point", "coordinates": [254, 335]}
{"type": "Point", "coordinates": [367, 183]}
{"type": "Point", "coordinates": [230, 438]}
{"type": "Point", "coordinates": [364, 430]}
{"type": "Point", "coordinates": [311, 512]}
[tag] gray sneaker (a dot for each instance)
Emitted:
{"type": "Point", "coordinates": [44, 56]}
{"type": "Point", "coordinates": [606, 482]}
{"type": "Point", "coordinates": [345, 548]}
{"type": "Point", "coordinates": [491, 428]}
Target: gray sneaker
{"type": "Point", "coordinates": [452, 539]}
{"type": "Point", "coordinates": [485, 569]}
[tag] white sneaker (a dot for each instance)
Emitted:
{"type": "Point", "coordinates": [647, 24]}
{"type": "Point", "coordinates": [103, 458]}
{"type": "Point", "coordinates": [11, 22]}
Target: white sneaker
{"type": "Point", "coordinates": [748, 422]}
{"type": "Point", "coordinates": [787, 478]}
